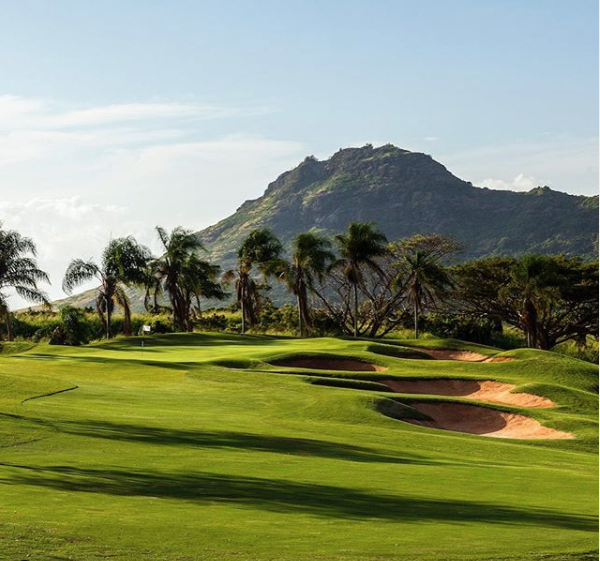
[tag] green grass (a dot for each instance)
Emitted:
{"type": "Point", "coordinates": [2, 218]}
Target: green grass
{"type": "Point", "coordinates": [198, 448]}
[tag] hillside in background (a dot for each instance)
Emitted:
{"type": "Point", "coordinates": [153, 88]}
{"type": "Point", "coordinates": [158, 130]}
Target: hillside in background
{"type": "Point", "coordinates": [408, 193]}
{"type": "Point", "coordinates": [405, 193]}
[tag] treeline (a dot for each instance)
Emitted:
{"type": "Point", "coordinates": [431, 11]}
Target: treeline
{"type": "Point", "coordinates": [357, 283]}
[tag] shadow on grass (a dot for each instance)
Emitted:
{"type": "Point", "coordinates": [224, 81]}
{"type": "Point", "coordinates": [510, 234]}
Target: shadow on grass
{"type": "Point", "coordinates": [120, 362]}
{"type": "Point", "coordinates": [237, 440]}
{"type": "Point", "coordinates": [289, 497]}
{"type": "Point", "coordinates": [189, 340]}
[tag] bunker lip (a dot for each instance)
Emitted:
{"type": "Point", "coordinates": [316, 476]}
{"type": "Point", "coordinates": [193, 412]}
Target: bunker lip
{"type": "Point", "coordinates": [481, 390]}
{"type": "Point", "coordinates": [329, 363]}
{"type": "Point", "coordinates": [467, 356]}
{"type": "Point", "coordinates": [483, 421]}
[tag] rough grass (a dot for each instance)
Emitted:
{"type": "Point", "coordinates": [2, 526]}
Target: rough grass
{"type": "Point", "coordinates": [197, 448]}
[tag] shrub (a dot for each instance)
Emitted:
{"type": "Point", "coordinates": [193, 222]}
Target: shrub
{"type": "Point", "coordinates": [481, 330]}
{"type": "Point", "coordinates": [73, 328]}
{"type": "Point", "coordinates": [212, 322]}
{"type": "Point", "coordinates": [587, 352]}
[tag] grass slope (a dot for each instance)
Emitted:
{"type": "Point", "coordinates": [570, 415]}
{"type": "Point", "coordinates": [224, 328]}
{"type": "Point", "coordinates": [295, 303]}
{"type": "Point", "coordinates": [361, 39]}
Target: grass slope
{"type": "Point", "coordinates": [198, 448]}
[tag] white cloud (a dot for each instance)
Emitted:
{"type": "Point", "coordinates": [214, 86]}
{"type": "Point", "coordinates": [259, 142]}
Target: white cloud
{"type": "Point", "coordinates": [13, 108]}
{"type": "Point", "coordinates": [562, 162]}
{"type": "Point", "coordinates": [65, 228]}
{"type": "Point", "coordinates": [519, 183]}
{"type": "Point", "coordinates": [24, 113]}
{"type": "Point", "coordinates": [71, 179]}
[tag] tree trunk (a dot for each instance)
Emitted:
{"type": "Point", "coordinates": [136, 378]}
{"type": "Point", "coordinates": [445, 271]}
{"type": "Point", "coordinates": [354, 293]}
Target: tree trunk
{"type": "Point", "coordinates": [108, 319]}
{"type": "Point", "coordinates": [530, 318]}
{"type": "Point", "coordinates": [416, 318]}
{"type": "Point", "coordinates": [243, 316]}
{"type": "Point", "coordinates": [9, 331]}
{"type": "Point", "coordinates": [126, 321]}
{"type": "Point", "coordinates": [299, 314]}
{"type": "Point", "coordinates": [355, 310]}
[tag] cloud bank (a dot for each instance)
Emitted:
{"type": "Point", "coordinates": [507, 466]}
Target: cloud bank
{"type": "Point", "coordinates": [72, 178]}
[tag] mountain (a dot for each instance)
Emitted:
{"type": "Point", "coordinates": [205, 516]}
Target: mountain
{"type": "Point", "coordinates": [405, 193]}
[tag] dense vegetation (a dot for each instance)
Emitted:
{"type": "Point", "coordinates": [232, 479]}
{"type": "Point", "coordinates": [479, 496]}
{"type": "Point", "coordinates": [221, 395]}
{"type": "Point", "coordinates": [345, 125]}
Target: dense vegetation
{"type": "Point", "coordinates": [360, 285]}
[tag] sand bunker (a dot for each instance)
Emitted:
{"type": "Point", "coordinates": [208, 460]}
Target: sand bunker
{"type": "Point", "coordinates": [481, 390]}
{"type": "Point", "coordinates": [473, 419]}
{"type": "Point", "coordinates": [327, 363]}
{"type": "Point", "coordinates": [468, 356]}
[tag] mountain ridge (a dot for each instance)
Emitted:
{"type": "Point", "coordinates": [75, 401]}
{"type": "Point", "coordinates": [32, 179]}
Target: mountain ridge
{"type": "Point", "coordinates": [368, 184]}
{"type": "Point", "coordinates": [405, 193]}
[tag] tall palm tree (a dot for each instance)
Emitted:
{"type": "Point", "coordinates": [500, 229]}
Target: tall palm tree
{"type": "Point", "coordinates": [360, 247]}
{"type": "Point", "coordinates": [182, 275]}
{"type": "Point", "coordinates": [261, 249]}
{"type": "Point", "coordinates": [246, 291]}
{"type": "Point", "coordinates": [310, 261]}
{"type": "Point", "coordinates": [426, 280]}
{"type": "Point", "coordinates": [123, 265]}
{"type": "Point", "coordinates": [19, 273]}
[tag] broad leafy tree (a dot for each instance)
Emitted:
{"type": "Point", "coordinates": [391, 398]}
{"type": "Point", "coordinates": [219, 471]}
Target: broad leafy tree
{"type": "Point", "coordinates": [552, 298]}
{"type": "Point", "coordinates": [123, 265]}
{"type": "Point", "coordinates": [19, 273]}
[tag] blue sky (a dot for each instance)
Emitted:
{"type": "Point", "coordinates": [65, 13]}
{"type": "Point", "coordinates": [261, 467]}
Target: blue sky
{"type": "Point", "coordinates": [117, 116]}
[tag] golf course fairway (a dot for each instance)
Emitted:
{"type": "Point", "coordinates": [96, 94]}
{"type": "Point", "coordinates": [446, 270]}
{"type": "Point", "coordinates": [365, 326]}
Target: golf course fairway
{"type": "Point", "coordinates": [226, 447]}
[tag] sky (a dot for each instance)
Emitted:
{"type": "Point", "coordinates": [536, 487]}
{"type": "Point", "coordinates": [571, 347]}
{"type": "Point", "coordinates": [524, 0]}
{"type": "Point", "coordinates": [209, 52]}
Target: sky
{"type": "Point", "coordinates": [119, 116]}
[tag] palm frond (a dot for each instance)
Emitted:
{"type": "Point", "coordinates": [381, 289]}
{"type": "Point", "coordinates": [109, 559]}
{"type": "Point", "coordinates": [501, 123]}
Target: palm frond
{"type": "Point", "coordinates": [78, 272]}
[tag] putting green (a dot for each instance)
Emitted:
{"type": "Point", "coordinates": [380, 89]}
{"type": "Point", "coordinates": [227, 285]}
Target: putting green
{"type": "Point", "coordinates": [211, 447]}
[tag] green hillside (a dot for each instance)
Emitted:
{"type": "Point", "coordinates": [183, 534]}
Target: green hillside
{"type": "Point", "coordinates": [209, 447]}
{"type": "Point", "coordinates": [409, 193]}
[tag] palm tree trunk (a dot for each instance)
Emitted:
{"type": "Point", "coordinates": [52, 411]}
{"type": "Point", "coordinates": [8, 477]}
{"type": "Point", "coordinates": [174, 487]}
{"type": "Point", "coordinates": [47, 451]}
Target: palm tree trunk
{"type": "Point", "coordinates": [299, 314]}
{"type": "Point", "coordinates": [108, 319]}
{"type": "Point", "coordinates": [416, 314]}
{"type": "Point", "coordinates": [355, 310]}
{"type": "Point", "coordinates": [243, 316]}
{"type": "Point", "coordinates": [9, 332]}
{"type": "Point", "coordinates": [126, 322]}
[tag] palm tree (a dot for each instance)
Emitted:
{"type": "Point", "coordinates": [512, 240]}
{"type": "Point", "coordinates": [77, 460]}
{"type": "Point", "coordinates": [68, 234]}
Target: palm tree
{"type": "Point", "coordinates": [182, 275]}
{"type": "Point", "coordinates": [123, 265]}
{"type": "Point", "coordinates": [311, 259]}
{"type": "Point", "coordinates": [422, 273]}
{"type": "Point", "coordinates": [533, 286]}
{"type": "Point", "coordinates": [246, 291]}
{"type": "Point", "coordinates": [261, 249]}
{"type": "Point", "coordinates": [19, 273]}
{"type": "Point", "coordinates": [360, 247]}
{"type": "Point", "coordinates": [199, 280]}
